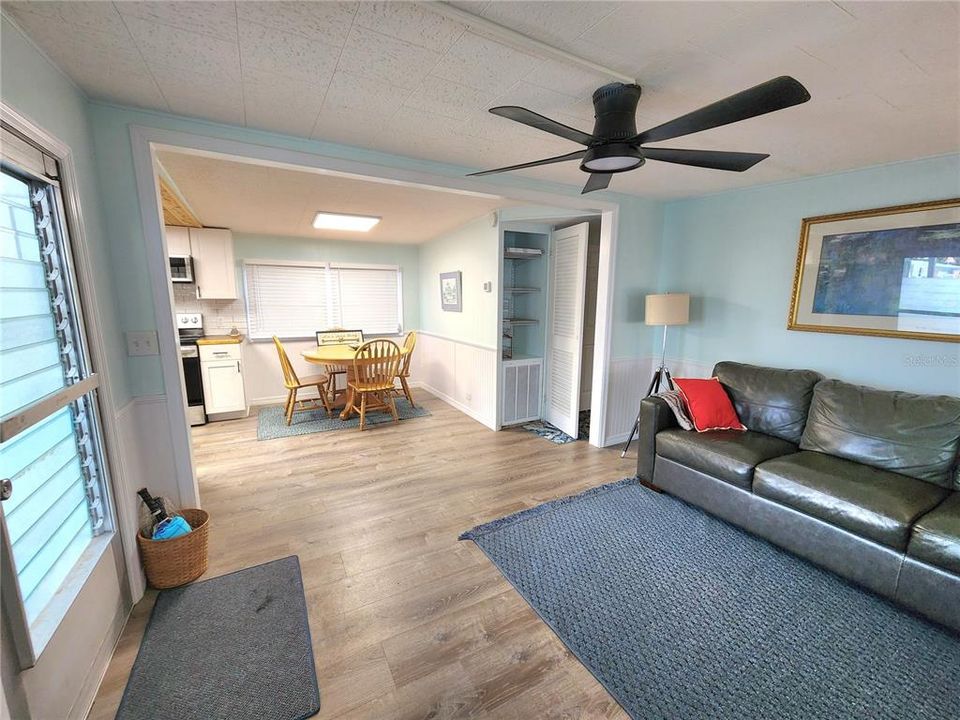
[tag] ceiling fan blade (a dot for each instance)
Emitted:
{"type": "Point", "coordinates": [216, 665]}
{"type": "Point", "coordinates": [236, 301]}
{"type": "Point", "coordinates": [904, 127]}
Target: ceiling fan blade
{"type": "Point", "coordinates": [734, 161]}
{"type": "Point", "coordinates": [538, 121]}
{"type": "Point", "coordinates": [597, 181]}
{"type": "Point", "coordinates": [547, 161]}
{"type": "Point", "coordinates": [776, 94]}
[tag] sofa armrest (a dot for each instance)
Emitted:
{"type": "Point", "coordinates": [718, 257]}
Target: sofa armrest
{"type": "Point", "coordinates": [655, 415]}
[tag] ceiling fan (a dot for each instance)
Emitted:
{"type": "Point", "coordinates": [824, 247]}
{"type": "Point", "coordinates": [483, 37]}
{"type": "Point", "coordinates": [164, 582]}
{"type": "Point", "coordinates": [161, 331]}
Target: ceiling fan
{"type": "Point", "coordinates": [615, 145]}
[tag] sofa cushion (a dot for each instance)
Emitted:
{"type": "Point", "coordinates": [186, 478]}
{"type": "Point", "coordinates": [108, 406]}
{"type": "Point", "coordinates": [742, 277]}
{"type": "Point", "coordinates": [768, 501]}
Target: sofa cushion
{"type": "Point", "coordinates": [873, 503]}
{"type": "Point", "coordinates": [936, 536]}
{"type": "Point", "coordinates": [915, 435]}
{"type": "Point", "coordinates": [769, 400]}
{"type": "Point", "coordinates": [730, 455]}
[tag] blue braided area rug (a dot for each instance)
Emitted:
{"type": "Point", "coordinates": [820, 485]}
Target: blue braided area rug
{"type": "Point", "coordinates": [272, 423]}
{"type": "Point", "coordinates": [683, 616]}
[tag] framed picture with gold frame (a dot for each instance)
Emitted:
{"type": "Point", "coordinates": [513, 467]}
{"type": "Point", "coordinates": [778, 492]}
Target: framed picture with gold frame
{"type": "Point", "coordinates": [892, 272]}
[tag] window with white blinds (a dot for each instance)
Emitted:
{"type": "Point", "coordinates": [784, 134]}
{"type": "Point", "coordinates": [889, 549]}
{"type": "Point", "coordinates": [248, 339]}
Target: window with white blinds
{"type": "Point", "coordinates": [294, 300]}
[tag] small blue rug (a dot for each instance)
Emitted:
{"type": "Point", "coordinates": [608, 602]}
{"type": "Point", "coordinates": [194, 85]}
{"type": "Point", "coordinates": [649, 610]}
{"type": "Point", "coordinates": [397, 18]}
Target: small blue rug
{"type": "Point", "coordinates": [682, 616]}
{"type": "Point", "coordinates": [271, 423]}
{"type": "Point", "coordinates": [555, 434]}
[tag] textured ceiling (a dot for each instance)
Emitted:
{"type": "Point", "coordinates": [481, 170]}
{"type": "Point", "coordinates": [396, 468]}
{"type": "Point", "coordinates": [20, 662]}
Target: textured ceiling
{"type": "Point", "coordinates": [398, 77]}
{"type": "Point", "coordinates": [251, 198]}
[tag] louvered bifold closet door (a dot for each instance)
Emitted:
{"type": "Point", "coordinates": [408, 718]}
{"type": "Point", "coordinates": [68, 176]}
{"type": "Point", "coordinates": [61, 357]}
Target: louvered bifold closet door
{"type": "Point", "coordinates": [568, 272]}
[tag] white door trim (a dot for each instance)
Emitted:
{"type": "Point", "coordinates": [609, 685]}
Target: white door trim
{"type": "Point", "coordinates": [146, 140]}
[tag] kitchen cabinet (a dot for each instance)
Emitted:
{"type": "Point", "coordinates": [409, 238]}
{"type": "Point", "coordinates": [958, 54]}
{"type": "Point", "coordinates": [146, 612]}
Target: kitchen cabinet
{"type": "Point", "coordinates": [221, 368]}
{"type": "Point", "coordinates": [178, 240]}
{"type": "Point", "coordinates": [211, 250]}
{"type": "Point", "coordinates": [213, 268]}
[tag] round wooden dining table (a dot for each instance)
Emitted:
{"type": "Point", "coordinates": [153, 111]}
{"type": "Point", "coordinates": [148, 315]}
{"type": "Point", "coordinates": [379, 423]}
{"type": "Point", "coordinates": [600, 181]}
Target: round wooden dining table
{"type": "Point", "coordinates": [340, 357]}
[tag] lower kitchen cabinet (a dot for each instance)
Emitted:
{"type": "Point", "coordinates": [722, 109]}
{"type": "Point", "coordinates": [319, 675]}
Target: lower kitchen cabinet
{"type": "Point", "coordinates": [221, 367]}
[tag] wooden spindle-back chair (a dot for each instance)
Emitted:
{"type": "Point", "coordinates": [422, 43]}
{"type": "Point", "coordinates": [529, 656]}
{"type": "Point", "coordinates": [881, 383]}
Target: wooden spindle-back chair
{"type": "Point", "coordinates": [294, 384]}
{"type": "Point", "coordinates": [409, 343]}
{"type": "Point", "coordinates": [375, 366]}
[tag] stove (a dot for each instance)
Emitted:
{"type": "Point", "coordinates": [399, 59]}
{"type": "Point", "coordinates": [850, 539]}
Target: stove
{"type": "Point", "coordinates": [189, 330]}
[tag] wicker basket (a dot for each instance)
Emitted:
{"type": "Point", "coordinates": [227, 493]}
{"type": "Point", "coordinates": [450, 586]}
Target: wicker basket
{"type": "Point", "coordinates": [175, 562]}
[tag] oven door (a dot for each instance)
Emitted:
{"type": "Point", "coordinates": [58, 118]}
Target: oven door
{"type": "Point", "coordinates": [194, 386]}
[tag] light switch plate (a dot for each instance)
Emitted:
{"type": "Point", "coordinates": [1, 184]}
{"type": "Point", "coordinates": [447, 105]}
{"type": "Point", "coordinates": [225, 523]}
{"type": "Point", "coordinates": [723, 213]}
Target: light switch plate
{"type": "Point", "coordinates": [487, 286]}
{"type": "Point", "coordinates": [142, 343]}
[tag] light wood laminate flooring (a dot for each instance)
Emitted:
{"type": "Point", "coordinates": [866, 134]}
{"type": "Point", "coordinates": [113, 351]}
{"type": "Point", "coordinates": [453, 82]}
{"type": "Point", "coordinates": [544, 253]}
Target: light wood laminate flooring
{"type": "Point", "coordinates": [407, 621]}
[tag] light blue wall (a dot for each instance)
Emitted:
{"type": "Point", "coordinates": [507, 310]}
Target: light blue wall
{"type": "Point", "coordinates": [640, 223]}
{"type": "Point", "coordinates": [32, 86]}
{"type": "Point", "coordinates": [735, 254]}
{"type": "Point", "coordinates": [272, 247]}
{"type": "Point", "coordinates": [474, 250]}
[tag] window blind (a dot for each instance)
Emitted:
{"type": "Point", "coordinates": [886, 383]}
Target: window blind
{"type": "Point", "coordinates": [295, 301]}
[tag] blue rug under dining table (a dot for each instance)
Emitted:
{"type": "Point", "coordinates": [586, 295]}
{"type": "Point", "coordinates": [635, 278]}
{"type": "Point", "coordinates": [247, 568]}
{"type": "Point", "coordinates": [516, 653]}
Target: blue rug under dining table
{"type": "Point", "coordinates": [683, 616]}
{"type": "Point", "coordinates": [272, 423]}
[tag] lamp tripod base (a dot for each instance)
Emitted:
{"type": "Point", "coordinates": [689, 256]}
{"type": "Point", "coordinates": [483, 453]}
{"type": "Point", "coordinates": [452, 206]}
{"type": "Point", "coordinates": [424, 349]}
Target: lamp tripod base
{"type": "Point", "coordinates": [660, 375]}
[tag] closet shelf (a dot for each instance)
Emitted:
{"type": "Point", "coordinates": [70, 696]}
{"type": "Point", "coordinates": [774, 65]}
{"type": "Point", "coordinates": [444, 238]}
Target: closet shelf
{"type": "Point", "coordinates": [518, 290]}
{"type": "Point", "coordinates": [522, 253]}
{"type": "Point", "coordinates": [520, 321]}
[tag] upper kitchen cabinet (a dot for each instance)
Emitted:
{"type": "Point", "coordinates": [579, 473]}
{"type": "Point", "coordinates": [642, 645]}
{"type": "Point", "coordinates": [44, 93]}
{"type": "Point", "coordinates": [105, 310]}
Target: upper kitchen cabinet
{"type": "Point", "coordinates": [178, 240]}
{"type": "Point", "coordinates": [213, 269]}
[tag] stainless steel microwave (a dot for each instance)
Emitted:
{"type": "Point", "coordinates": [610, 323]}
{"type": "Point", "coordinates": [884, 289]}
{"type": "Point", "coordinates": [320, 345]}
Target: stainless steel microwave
{"type": "Point", "coordinates": [181, 268]}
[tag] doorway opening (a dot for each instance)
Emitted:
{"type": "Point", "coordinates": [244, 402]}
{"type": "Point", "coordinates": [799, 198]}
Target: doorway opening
{"type": "Point", "coordinates": [550, 282]}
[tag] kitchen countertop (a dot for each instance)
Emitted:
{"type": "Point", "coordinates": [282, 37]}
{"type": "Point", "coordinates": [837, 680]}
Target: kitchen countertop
{"type": "Point", "coordinates": [220, 340]}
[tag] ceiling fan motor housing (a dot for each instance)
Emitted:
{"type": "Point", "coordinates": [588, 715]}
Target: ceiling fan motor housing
{"type": "Point", "coordinates": [615, 111]}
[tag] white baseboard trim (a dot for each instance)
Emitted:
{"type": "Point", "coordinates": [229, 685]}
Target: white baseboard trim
{"type": "Point", "coordinates": [486, 422]}
{"type": "Point", "coordinates": [272, 400]}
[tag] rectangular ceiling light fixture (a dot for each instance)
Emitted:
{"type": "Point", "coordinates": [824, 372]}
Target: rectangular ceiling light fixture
{"type": "Point", "coordinates": [343, 221]}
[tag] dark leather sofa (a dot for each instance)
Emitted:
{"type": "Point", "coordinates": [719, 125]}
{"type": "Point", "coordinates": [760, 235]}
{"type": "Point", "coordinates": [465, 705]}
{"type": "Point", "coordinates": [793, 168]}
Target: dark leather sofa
{"type": "Point", "coordinates": [861, 481]}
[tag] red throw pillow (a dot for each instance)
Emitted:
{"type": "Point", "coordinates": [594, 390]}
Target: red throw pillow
{"type": "Point", "coordinates": [708, 404]}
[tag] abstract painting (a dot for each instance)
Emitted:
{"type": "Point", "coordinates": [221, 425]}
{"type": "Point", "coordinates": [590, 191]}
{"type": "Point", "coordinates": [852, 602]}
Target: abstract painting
{"type": "Point", "coordinates": [890, 271]}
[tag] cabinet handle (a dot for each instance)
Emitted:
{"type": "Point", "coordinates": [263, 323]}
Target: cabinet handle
{"type": "Point", "coordinates": [198, 292]}
{"type": "Point", "coordinates": [238, 366]}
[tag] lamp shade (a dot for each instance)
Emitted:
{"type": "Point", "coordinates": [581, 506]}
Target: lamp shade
{"type": "Point", "coordinates": [668, 309]}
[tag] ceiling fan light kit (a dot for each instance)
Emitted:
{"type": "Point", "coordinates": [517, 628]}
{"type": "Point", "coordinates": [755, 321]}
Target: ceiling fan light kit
{"type": "Point", "coordinates": [615, 146]}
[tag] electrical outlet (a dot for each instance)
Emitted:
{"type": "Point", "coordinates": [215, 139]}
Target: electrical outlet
{"type": "Point", "coordinates": [142, 343]}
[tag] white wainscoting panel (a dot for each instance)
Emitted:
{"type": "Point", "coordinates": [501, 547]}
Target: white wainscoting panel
{"type": "Point", "coordinates": [125, 494]}
{"type": "Point", "coordinates": [628, 381]}
{"type": "Point", "coordinates": [461, 374]}
{"type": "Point", "coordinates": [262, 377]}
{"type": "Point", "coordinates": [146, 457]}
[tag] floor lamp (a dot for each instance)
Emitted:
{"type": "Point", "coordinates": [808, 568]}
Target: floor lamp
{"type": "Point", "coordinates": [667, 309]}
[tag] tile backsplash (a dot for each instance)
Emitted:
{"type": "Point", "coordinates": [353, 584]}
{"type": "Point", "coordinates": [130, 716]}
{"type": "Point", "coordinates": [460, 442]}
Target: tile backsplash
{"type": "Point", "coordinates": [219, 316]}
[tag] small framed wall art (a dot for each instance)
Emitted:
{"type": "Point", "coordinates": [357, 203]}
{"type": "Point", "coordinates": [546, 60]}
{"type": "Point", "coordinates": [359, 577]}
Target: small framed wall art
{"type": "Point", "coordinates": [451, 297]}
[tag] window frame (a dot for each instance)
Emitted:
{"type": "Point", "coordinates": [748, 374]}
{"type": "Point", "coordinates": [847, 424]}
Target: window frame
{"type": "Point", "coordinates": [56, 169]}
{"type": "Point", "coordinates": [327, 265]}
